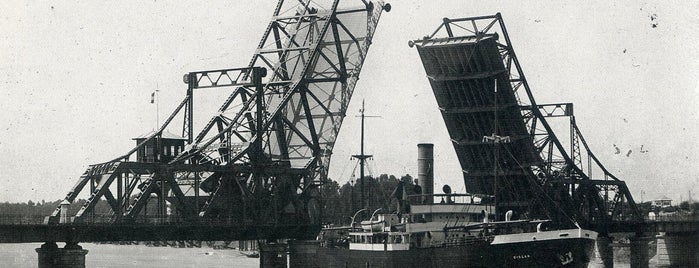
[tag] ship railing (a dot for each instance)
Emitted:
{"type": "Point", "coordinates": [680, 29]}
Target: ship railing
{"type": "Point", "coordinates": [460, 241]}
{"type": "Point", "coordinates": [448, 199]}
{"type": "Point", "coordinates": [454, 242]}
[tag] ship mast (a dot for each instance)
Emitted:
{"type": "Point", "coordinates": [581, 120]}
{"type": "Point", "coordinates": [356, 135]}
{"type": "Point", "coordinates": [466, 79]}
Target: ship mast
{"type": "Point", "coordinates": [497, 151]}
{"type": "Point", "coordinates": [362, 158]}
{"type": "Point", "coordinates": [496, 140]}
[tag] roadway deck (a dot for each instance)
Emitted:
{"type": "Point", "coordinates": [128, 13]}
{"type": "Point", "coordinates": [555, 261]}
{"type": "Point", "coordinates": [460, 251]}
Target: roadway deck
{"type": "Point", "coordinates": [147, 232]}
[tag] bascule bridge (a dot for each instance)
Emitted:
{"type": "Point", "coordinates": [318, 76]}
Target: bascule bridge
{"type": "Point", "coordinates": [264, 153]}
{"type": "Point", "coordinates": [254, 169]}
{"type": "Point", "coordinates": [532, 157]}
{"type": "Point", "coordinates": [481, 90]}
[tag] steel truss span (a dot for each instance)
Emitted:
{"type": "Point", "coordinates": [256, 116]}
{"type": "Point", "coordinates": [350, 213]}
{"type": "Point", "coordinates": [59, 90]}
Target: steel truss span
{"type": "Point", "coordinates": [261, 157]}
{"type": "Point", "coordinates": [502, 137]}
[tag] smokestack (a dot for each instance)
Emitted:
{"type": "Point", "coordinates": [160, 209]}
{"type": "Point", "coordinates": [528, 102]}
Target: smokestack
{"type": "Point", "coordinates": [425, 170]}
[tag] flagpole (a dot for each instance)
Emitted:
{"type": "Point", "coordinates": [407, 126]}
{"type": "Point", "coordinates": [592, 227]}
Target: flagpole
{"type": "Point", "coordinates": [157, 107]}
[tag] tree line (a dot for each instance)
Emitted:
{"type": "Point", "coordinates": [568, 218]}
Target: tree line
{"type": "Point", "coordinates": [340, 202]}
{"type": "Point", "coordinates": [44, 208]}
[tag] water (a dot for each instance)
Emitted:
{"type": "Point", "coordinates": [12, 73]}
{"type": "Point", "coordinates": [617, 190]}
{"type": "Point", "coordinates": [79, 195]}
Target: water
{"type": "Point", "coordinates": [102, 255]}
{"type": "Point", "coordinates": [593, 264]}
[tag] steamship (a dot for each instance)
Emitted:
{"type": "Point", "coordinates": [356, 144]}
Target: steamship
{"type": "Point", "coordinates": [444, 230]}
{"type": "Point", "coordinates": [506, 224]}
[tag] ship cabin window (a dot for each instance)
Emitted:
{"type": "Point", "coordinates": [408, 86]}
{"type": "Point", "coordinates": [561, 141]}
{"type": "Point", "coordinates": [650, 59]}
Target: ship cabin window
{"type": "Point", "coordinates": [377, 238]}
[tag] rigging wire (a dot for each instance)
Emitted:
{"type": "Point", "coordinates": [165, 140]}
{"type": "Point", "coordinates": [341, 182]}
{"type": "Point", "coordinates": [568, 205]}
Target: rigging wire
{"type": "Point", "coordinates": [540, 188]}
{"type": "Point", "coordinates": [369, 168]}
{"type": "Point", "coordinates": [354, 175]}
{"type": "Point", "coordinates": [344, 168]}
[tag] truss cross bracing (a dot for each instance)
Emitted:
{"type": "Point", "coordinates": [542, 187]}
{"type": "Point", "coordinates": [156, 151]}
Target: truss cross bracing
{"type": "Point", "coordinates": [262, 156]}
{"type": "Point", "coordinates": [481, 89]}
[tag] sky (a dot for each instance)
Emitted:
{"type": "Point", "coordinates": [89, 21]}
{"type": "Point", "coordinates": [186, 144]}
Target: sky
{"type": "Point", "coordinates": [76, 79]}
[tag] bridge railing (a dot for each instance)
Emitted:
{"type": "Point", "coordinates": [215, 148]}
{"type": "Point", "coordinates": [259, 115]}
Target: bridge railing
{"type": "Point", "coordinates": [674, 218]}
{"type": "Point", "coordinates": [18, 219]}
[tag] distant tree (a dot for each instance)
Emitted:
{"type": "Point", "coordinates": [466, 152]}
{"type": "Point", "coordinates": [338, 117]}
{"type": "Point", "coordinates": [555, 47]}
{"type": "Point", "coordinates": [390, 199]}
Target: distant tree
{"type": "Point", "coordinates": [333, 203]}
{"type": "Point", "coordinates": [407, 179]}
{"type": "Point", "coordinates": [684, 205]}
{"type": "Point", "coordinates": [341, 202]}
{"type": "Point", "coordinates": [645, 207]}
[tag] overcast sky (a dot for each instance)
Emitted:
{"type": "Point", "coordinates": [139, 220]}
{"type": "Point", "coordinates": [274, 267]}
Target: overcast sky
{"type": "Point", "coordinates": [76, 79]}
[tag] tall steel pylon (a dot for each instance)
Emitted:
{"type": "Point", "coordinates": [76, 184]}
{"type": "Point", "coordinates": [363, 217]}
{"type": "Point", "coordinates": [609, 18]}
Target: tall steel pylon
{"type": "Point", "coordinates": [262, 156]}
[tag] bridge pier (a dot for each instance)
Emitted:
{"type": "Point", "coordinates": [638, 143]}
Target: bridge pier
{"type": "Point", "coordinates": [70, 256]}
{"type": "Point", "coordinates": [605, 251]}
{"type": "Point", "coordinates": [273, 255]}
{"type": "Point", "coordinates": [639, 256]}
{"type": "Point", "coordinates": [682, 249]}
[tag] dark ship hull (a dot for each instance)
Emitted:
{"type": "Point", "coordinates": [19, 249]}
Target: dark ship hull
{"type": "Point", "coordinates": [313, 255]}
{"type": "Point", "coordinates": [561, 252]}
{"type": "Point", "coordinates": [572, 252]}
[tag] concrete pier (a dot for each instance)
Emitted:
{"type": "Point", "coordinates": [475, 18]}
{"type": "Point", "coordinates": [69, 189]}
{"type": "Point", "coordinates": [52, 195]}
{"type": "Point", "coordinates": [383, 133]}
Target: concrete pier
{"type": "Point", "coordinates": [639, 251]}
{"type": "Point", "coordinates": [304, 252]}
{"type": "Point", "coordinates": [682, 249]}
{"type": "Point", "coordinates": [70, 256]}
{"type": "Point", "coordinates": [661, 258]}
{"type": "Point", "coordinates": [605, 252]}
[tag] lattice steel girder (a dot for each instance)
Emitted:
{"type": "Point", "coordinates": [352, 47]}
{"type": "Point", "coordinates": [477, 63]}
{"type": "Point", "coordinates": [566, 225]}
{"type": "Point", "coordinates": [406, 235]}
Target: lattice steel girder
{"type": "Point", "coordinates": [314, 58]}
{"type": "Point", "coordinates": [273, 135]}
{"type": "Point", "coordinates": [295, 39]}
{"type": "Point", "coordinates": [469, 58]}
{"type": "Point", "coordinates": [621, 200]}
{"type": "Point", "coordinates": [553, 110]}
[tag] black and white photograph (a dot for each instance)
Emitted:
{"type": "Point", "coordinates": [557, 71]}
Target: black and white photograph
{"type": "Point", "coordinates": [349, 133]}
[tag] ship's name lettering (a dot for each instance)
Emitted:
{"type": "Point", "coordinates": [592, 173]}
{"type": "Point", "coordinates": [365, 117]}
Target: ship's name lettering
{"type": "Point", "coordinates": [520, 257]}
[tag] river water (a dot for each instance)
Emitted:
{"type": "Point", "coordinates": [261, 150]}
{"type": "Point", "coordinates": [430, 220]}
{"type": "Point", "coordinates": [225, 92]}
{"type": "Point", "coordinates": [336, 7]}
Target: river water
{"type": "Point", "coordinates": [104, 255]}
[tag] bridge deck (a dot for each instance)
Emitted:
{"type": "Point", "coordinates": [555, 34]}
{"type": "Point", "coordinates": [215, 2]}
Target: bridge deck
{"type": "Point", "coordinates": [29, 233]}
{"type": "Point", "coordinates": [462, 72]}
{"type": "Point", "coordinates": [150, 232]}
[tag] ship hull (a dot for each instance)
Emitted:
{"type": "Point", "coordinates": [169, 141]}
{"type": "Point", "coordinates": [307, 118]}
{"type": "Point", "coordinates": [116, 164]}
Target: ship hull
{"type": "Point", "coordinates": [312, 255]}
{"type": "Point", "coordinates": [568, 252]}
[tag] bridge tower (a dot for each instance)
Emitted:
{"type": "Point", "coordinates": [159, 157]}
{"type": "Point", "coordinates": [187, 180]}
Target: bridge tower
{"type": "Point", "coordinates": [260, 159]}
